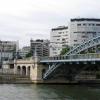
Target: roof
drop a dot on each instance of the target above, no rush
(60, 28)
(85, 19)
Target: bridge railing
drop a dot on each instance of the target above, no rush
(68, 57)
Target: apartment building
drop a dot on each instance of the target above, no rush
(83, 29)
(8, 50)
(40, 46)
(59, 38)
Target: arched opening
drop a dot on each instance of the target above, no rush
(24, 70)
(28, 71)
(18, 69)
(43, 71)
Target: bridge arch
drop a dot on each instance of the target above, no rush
(84, 46)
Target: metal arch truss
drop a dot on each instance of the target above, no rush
(86, 45)
(51, 69)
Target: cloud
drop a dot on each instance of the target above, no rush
(25, 19)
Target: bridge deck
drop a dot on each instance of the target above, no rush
(72, 58)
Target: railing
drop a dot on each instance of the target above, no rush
(68, 57)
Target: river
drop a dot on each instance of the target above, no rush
(48, 92)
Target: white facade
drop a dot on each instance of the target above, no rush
(83, 29)
(59, 38)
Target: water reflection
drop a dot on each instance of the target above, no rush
(48, 92)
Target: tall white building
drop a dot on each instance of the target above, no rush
(78, 31)
(59, 38)
(83, 29)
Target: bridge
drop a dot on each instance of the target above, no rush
(86, 57)
(78, 62)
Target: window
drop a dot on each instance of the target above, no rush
(89, 24)
(84, 36)
(93, 24)
(97, 24)
(75, 40)
(78, 24)
(63, 39)
(58, 39)
(57, 36)
(59, 32)
(84, 24)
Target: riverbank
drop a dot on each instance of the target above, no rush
(28, 81)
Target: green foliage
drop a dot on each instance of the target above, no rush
(64, 50)
(29, 54)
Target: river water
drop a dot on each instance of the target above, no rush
(48, 92)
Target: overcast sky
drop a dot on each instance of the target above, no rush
(25, 19)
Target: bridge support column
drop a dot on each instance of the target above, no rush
(36, 71)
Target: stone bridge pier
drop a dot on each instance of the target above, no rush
(30, 68)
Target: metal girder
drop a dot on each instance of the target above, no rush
(51, 69)
(86, 45)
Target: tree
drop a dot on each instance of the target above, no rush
(64, 50)
(29, 54)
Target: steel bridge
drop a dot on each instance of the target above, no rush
(79, 58)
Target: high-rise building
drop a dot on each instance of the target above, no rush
(83, 29)
(40, 46)
(8, 50)
(59, 38)
(79, 30)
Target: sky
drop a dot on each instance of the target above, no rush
(22, 20)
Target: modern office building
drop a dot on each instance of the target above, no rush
(40, 46)
(59, 38)
(83, 29)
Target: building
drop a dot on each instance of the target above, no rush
(8, 50)
(78, 31)
(40, 46)
(59, 38)
(83, 29)
(24, 51)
